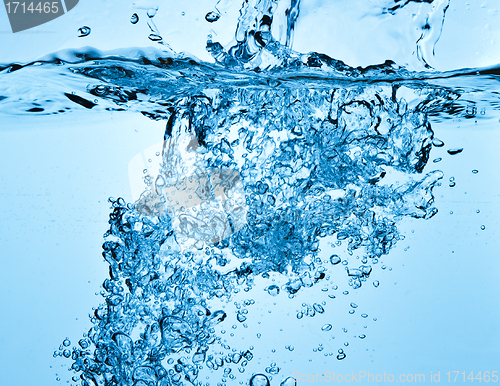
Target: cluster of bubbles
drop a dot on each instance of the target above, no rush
(342, 164)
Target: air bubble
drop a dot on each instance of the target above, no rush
(273, 290)
(455, 151)
(259, 380)
(83, 31)
(376, 283)
(475, 171)
(134, 18)
(437, 142)
(483, 227)
(290, 381)
(335, 259)
(212, 17)
(326, 327)
(152, 12)
(155, 37)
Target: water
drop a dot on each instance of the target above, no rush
(288, 174)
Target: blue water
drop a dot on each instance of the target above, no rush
(279, 172)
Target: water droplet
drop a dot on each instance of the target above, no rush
(326, 327)
(364, 315)
(362, 336)
(83, 31)
(212, 17)
(452, 184)
(155, 37)
(354, 305)
(455, 151)
(66, 342)
(483, 227)
(376, 283)
(478, 211)
(475, 171)
(134, 18)
(259, 380)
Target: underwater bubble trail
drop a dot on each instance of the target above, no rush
(312, 165)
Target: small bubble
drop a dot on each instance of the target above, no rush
(455, 151)
(155, 37)
(354, 305)
(376, 283)
(437, 142)
(335, 259)
(134, 18)
(273, 290)
(183, 13)
(212, 17)
(436, 160)
(483, 227)
(66, 342)
(259, 380)
(364, 315)
(475, 171)
(452, 179)
(362, 336)
(83, 31)
(478, 211)
(326, 327)
(290, 381)
(452, 184)
(152, 12)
